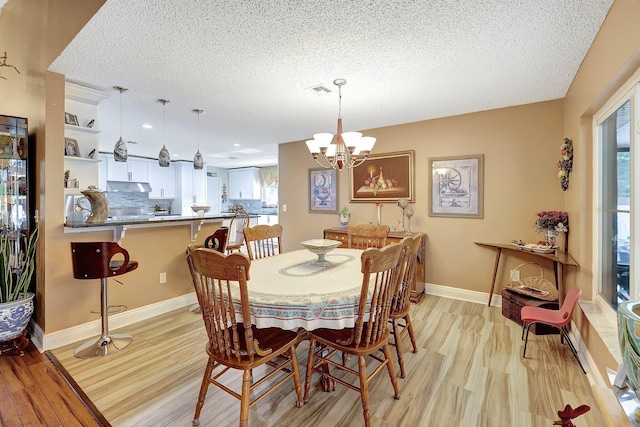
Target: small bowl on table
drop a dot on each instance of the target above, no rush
(200, 210)
(321, 247)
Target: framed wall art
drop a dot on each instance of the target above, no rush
(383, 178)
(71, 119)
(323, 191)
(456, 187)
(71, 147)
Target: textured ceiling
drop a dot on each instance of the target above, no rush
(248, 63)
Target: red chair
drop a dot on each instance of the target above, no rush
(558, 318)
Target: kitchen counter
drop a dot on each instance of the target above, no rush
(120, 226)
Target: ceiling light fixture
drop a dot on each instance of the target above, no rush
(120, 153)
(198, 161)
(350, 154)
(164, 158)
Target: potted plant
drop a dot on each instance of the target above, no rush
(344, 217)
(16, 270)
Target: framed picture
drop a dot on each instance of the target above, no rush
(323, 191)
(456, 187)
(71, 119)
(71, 147)
(383, 178)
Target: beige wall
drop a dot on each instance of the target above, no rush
(33, 34)
(613, 57)
(520, 147)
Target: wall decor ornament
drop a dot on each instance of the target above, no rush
(456, 187)
(323, 191)
(383, 178)
(565, 165)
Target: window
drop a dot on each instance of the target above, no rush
(615, 197)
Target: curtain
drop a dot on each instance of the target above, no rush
(269, 177)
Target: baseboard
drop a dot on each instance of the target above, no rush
(462, 294)
(44, 341)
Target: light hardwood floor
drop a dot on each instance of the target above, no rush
(468, 372)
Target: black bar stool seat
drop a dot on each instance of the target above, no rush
(101, 260)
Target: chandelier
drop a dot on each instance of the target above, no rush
(350, 148)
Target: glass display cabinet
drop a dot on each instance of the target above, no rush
(14, 201)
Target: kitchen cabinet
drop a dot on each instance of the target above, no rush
(162, 181)
(191, 187)
(81, 107)
(244, 183)
(133, 169)
(268, 219)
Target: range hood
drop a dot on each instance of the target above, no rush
(128, 187)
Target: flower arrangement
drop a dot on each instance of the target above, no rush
(565, 165)
(552, 221)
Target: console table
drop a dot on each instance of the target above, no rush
(559, 259)
(417, 287)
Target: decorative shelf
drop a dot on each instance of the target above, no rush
(81, 159)
(81, 129)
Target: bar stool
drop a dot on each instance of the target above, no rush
(94, 260)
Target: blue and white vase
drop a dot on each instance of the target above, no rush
(15, 316)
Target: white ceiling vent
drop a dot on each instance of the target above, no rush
(319, 89)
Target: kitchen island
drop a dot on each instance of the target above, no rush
(119, 227)
(162, 282)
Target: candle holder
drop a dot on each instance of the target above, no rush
(403, 203)
(409, 213)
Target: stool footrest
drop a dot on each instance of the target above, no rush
(103, 346)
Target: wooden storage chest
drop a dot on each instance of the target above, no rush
(512, 303)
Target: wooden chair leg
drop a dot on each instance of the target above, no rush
(309, 373)
(409, 327)
(245, 398)
(296, 375)
(203, 391)
(392, 372)
(364, 390)
(397, 341)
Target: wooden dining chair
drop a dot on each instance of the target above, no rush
(362, 236)
(329, 348)
(263, 240)
(400, 305)
(234, 342)
(235, 237)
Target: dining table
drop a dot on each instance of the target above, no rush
(293, 290)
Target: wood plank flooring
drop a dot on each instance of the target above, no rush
(468, 372)
(34, 393)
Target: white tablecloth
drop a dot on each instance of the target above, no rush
(288, 291)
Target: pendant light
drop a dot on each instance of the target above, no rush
(164, 158)
(198, 161)
(120, 153)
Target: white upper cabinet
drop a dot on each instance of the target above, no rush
(244, 183)
(162, 181)
(132, 170)
(191, 187)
